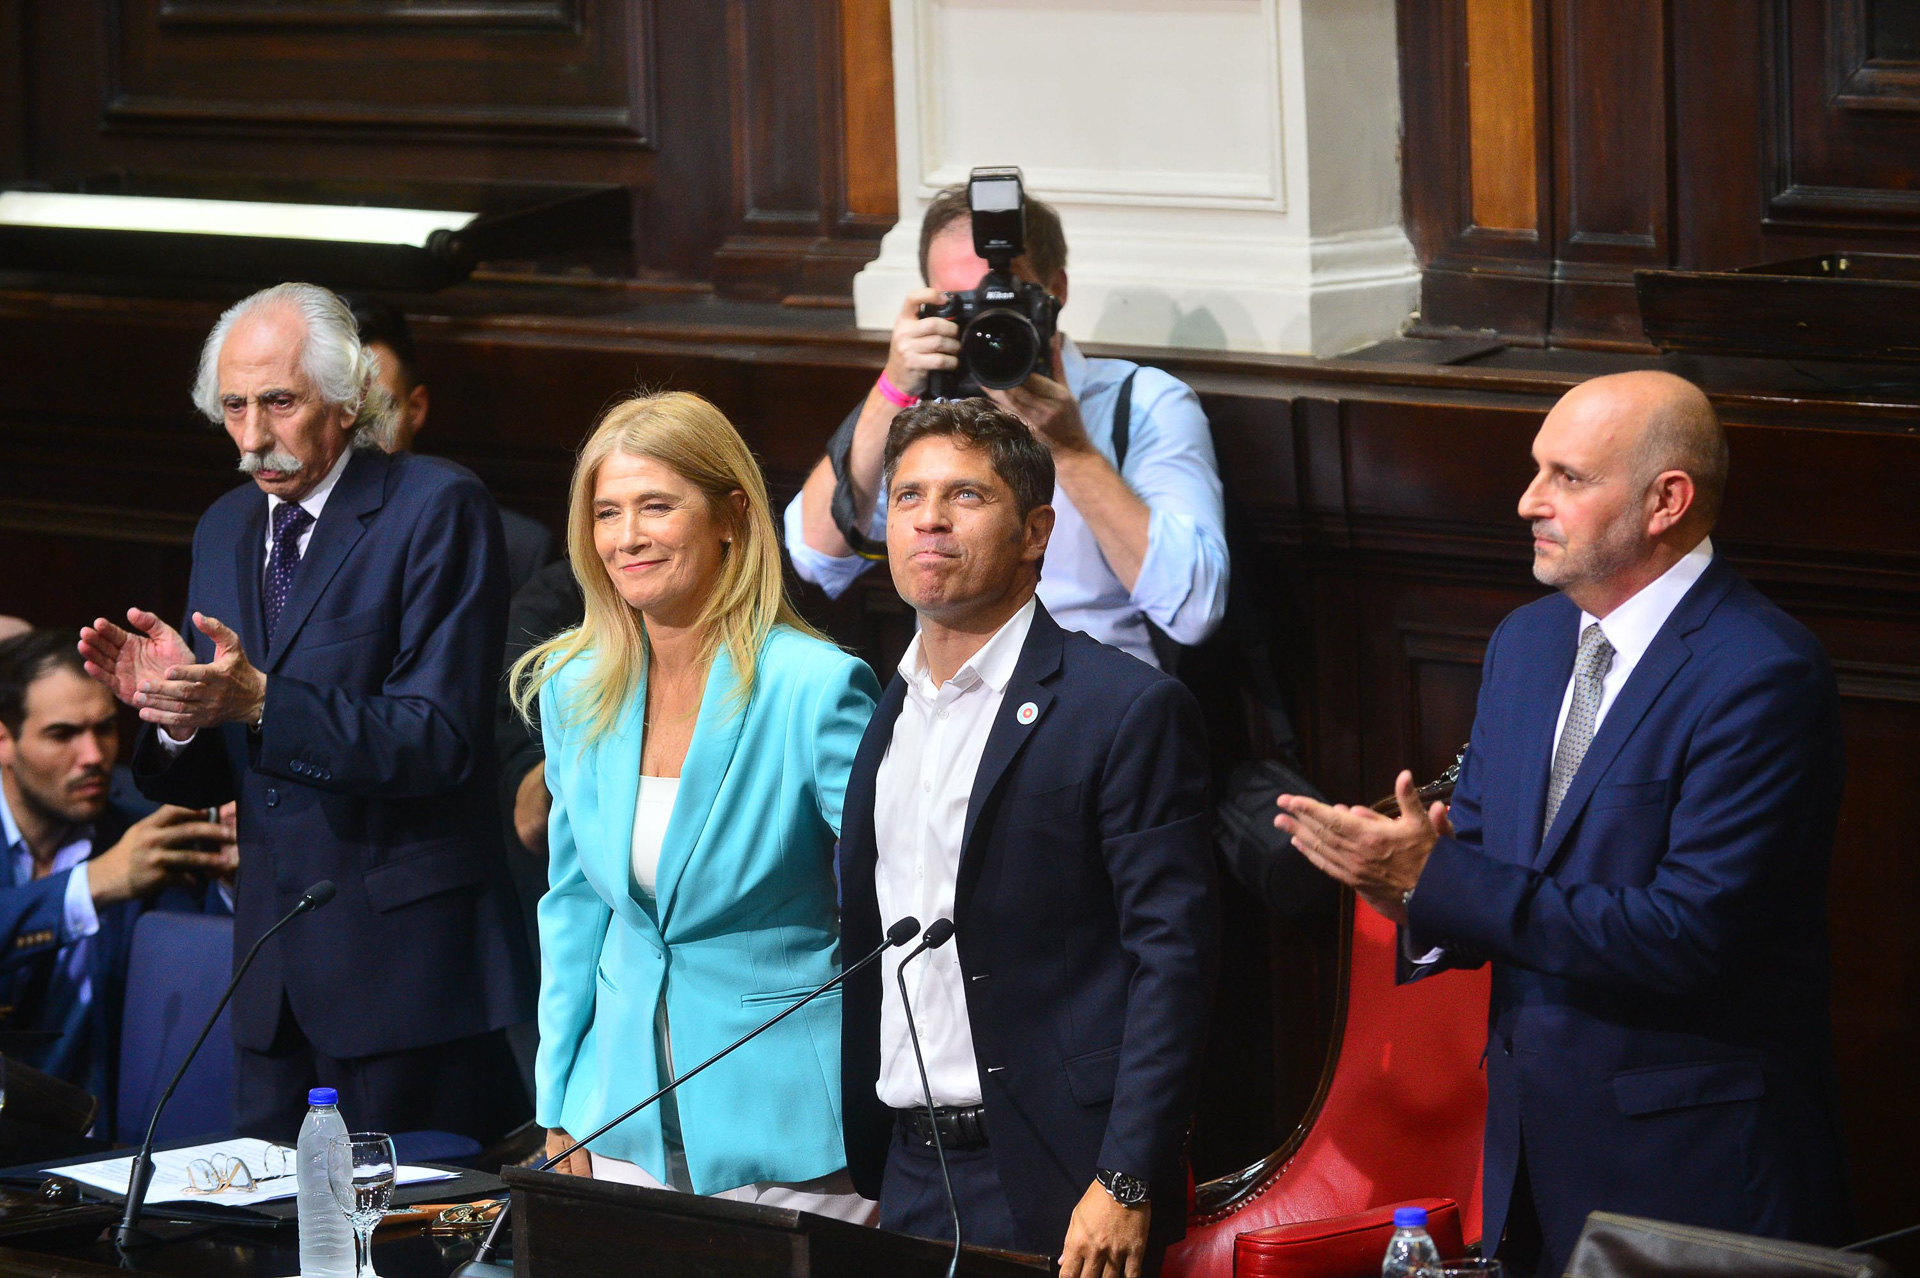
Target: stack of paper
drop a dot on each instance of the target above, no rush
(170, 1185)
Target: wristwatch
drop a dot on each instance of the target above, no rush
(1128, 1191)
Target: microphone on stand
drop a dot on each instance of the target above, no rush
(483, 1265)
(939, 932)
(128, 1232)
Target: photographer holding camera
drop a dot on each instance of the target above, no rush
(1139, 543)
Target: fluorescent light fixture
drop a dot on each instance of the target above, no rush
(340, 223)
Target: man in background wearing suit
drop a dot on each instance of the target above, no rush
(346, 612)
(389, 340)
(80, 869)
(1639, 844)
(1048, 794)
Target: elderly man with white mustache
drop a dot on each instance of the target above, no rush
(335, 676)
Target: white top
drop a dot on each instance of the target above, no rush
(920, 813)
(651, 812)
(1631, 627)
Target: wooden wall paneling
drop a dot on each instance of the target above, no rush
(779, 197)
(567, 70)
(795, 238)
(1721, 59)
(1433, 105)
(1475, 160)
(1502, 143)
(1845, 130)
(1876, 950)
(684, 199)
(1611, 164)
(726, 120)
(13, 90)
(1713, 134)
(866, 61)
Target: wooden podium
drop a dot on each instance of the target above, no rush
(573, 1227)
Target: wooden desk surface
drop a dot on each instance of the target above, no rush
(233, 1253)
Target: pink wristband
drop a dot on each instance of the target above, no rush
(893, 394)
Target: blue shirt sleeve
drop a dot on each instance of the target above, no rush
(1182, 586)
(832, 573)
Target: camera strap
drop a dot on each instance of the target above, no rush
(1123, 421)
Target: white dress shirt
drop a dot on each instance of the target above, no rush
(1182, 585)
(313, 503)
(1631, 627)
(920, 814)
(652, 809)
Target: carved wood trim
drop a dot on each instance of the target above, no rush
(627, 123)
(1858, 80)
(1855, 83)
(1878, 681)
(622, 125)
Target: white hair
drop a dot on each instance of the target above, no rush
(341, 370)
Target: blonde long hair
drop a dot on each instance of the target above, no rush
(689, 436)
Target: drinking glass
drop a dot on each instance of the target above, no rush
(360, 1171)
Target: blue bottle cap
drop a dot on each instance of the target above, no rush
(328, 1096)
(1409, 1217)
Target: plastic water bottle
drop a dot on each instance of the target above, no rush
(1410, 1252)
(326, 1239)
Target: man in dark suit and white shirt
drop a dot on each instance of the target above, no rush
(346, 612)
(1048, 794)
(1639, 844)
(80, 868)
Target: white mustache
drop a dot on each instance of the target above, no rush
(274, 459)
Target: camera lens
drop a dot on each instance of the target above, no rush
(1001, 348)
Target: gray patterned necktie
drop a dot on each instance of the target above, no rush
(1590, 668)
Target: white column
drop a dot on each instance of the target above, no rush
(1227, 170)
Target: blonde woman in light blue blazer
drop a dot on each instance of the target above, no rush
(698, 736)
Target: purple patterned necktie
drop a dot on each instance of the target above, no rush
(289, 521)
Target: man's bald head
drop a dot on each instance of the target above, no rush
(1671, 425)
(1632, 471)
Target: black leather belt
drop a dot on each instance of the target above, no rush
(961, 1126)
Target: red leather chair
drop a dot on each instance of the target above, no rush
(1342, 1246)
(1398, 1118)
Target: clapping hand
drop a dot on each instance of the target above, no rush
(122, 658)
(151, 668)
(1378, 856)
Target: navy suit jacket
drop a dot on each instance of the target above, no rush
(1659, 1022)
(1085, 921)
(32, 918)
(374, 765)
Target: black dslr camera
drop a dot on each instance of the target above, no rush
(1006, 324)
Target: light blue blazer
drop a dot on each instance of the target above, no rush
(745, 921)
